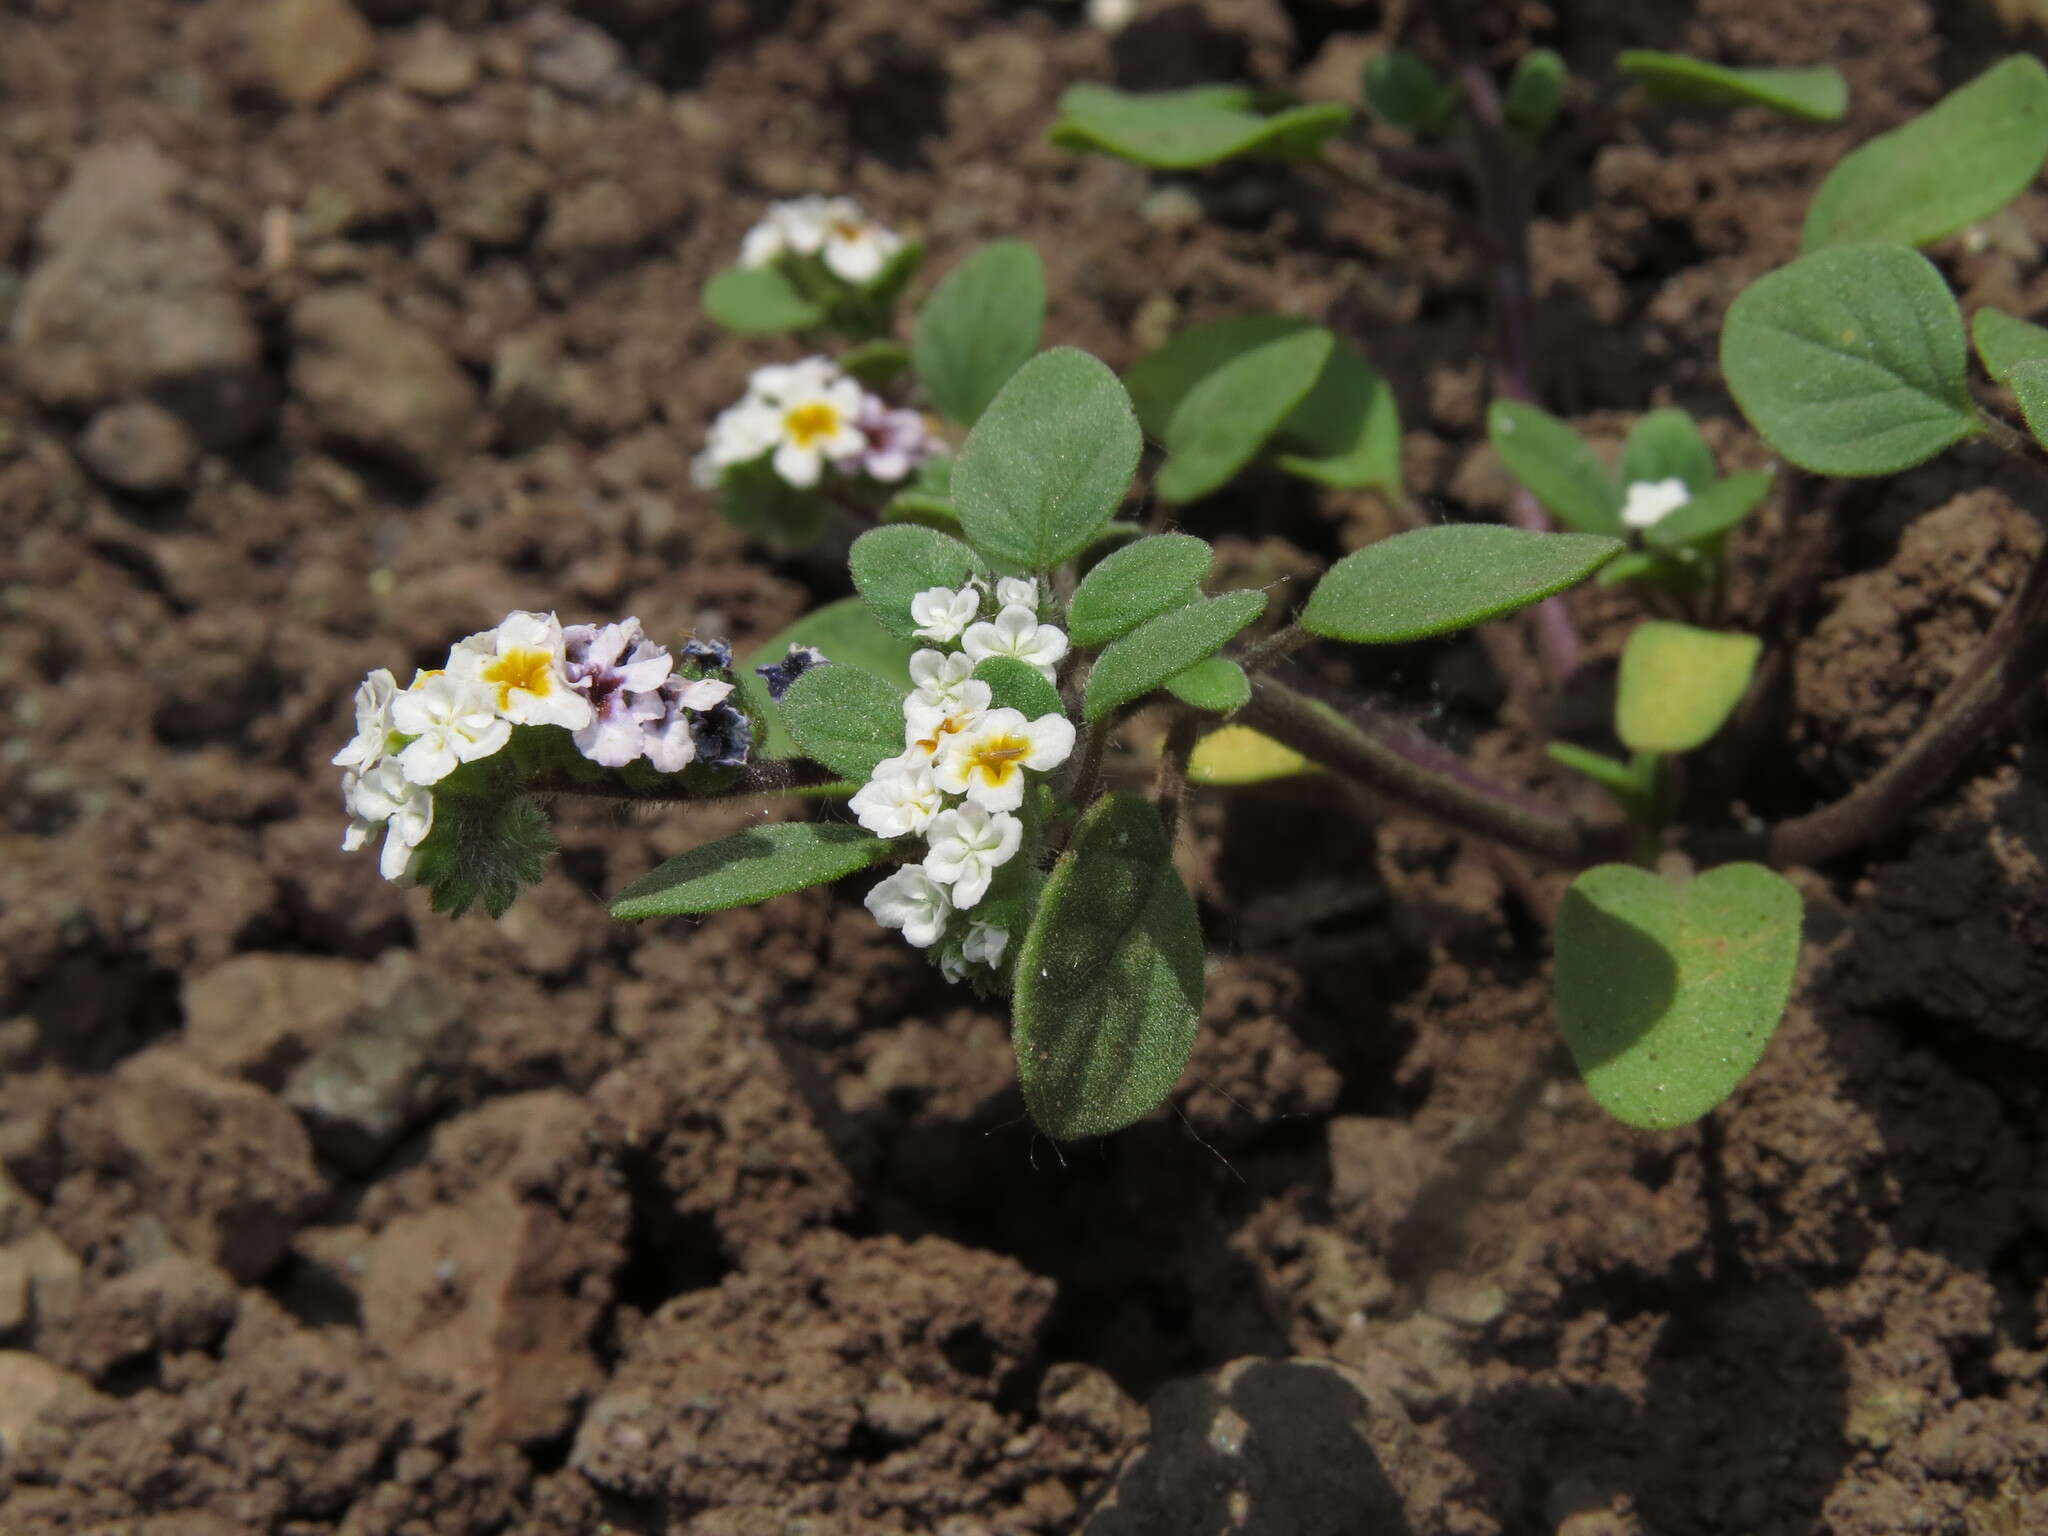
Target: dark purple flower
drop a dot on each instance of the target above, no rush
(723, 737)
(780, 674)
(715, 654)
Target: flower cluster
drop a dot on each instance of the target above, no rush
(961, 777)
(619, 695)
(832, 230)
(805, 417)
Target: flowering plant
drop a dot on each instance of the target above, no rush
(1009, 630)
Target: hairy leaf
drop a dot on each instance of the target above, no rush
(749, 867)
(1226, 417)
(1557, 466)
(1665, 445)
(1818, 95)
(1409, 94)
(2015, 353)
(1347, 433)
(1182, 130)
(892, 565)
(1431, 581)
(1535, 92)
(1679, 684)
(758, 301)
(980, 326)
(845, 718)
(1712, 512)
(1162, 646)
(1217, 685)
(1014, 684)
(847, 633)
(1137, 582)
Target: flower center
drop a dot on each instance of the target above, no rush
(807, 423)
(847, 229)
(997, 757)
(521, 671)
(949, 726)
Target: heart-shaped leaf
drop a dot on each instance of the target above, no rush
(1964, 158)
(759, 301)
(1678, 685)
(1182, 130)
(1109, 979)
(1818, 95)
(980, 325)
(1851, 360)
(845, 718)
(1048, 463)
(1135, 583)
(749, 867)
(2015, 353)
(892, 565)
(847, 633)
(1160, 647)
(1431, 581)
(1557, 466)
(1666, 445)
(1668, 994)
(1347, 433)
(1225, 419)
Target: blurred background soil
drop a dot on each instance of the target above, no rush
(336, 330)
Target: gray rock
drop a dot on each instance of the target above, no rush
(370, 1084)
(577, 57)
(29, 1386)
(436, 62)
(140, 447)
(1263, 1448)
(378, 384)
(135, 297)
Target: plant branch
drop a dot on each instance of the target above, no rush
(1274, 649)
(1170, 783)
(766, 778)
(1402, 765)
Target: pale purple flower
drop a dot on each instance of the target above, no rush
(896, 442)
(620, 671)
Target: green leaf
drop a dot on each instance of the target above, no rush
(1669, 994)
(1408, 93)
(749, 867)
(1234, 755)
(847, 633)
(485, 847)
(1431, 581)
(1963, 159)
(1665, 445)
(845, 718)
(875, 363)
(892, 565)
(1679, 685)
(1635, 565)
(1048, 463)
(1014, 684)
(1557, 466)
(1135, 583)
(1851, 361)
(980, 326)
(1202, 125)
(1817, 95)
(1159, 381)
(1347, 433)
(1617, 778)
(1226, 417)
(759, 502)
(2015, 353)
(1162, 646)
(1218, 685)
(1534, 93)
(1109, 978)
(1712, 512)
(759, 301)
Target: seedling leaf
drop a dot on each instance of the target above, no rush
(1534, 93)
(1431, 581)
(2015, 353)
(1226, 417)
(1109, 979)
(1712, 512)
(1851, 360)
(1347, 433)
(749, 867)
(1234, 755)
(980, 325)
(1817, 95)
(1557, 466)
(1185, 129)
(1160, 647)
(1669, 994)
(1679, 685)
(1666, 445)
(1160, 380)
(1135, 583)
(1408, 93)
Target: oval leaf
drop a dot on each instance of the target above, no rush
(1851, 361)
(847, 633)
(752, 866)
(845, 718)
(1666, 445)
(1712, 512)
(1014, 684)
(1049, 462)
(1409, 94)
(1431, 581)
(892, 565)
(1347, 433)
(758, 301)
(1158, 648)
(1109, 980)
(1679, 685)
(980, 326)
(1217, 685)
(1236, 754)
(2015, 353)
(1817, 95)
(1557, 465)
(1535, 92)
(1160, 380)
(1135, 583)
(1964, 158)
(1181, 130)
(1668, 994)
(1227, 416)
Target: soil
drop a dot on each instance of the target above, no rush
(337, 333)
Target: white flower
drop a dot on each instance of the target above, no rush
(1111, 16)
(815, 409)
(1649, 502)
(740, 434)
(968, 845)
(1016, 632)
(986, 761)
(940, 613)
(953, 965)
(900, 799)
(522, 660)
(452, 720)
(373, 722)
(927, 726)
(985, 942)
(938, 675)
(854, 247)
(383, 797)
(1017, 592)
(911, 900)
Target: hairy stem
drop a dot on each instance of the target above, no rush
(768, 778)
(1170, 783)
